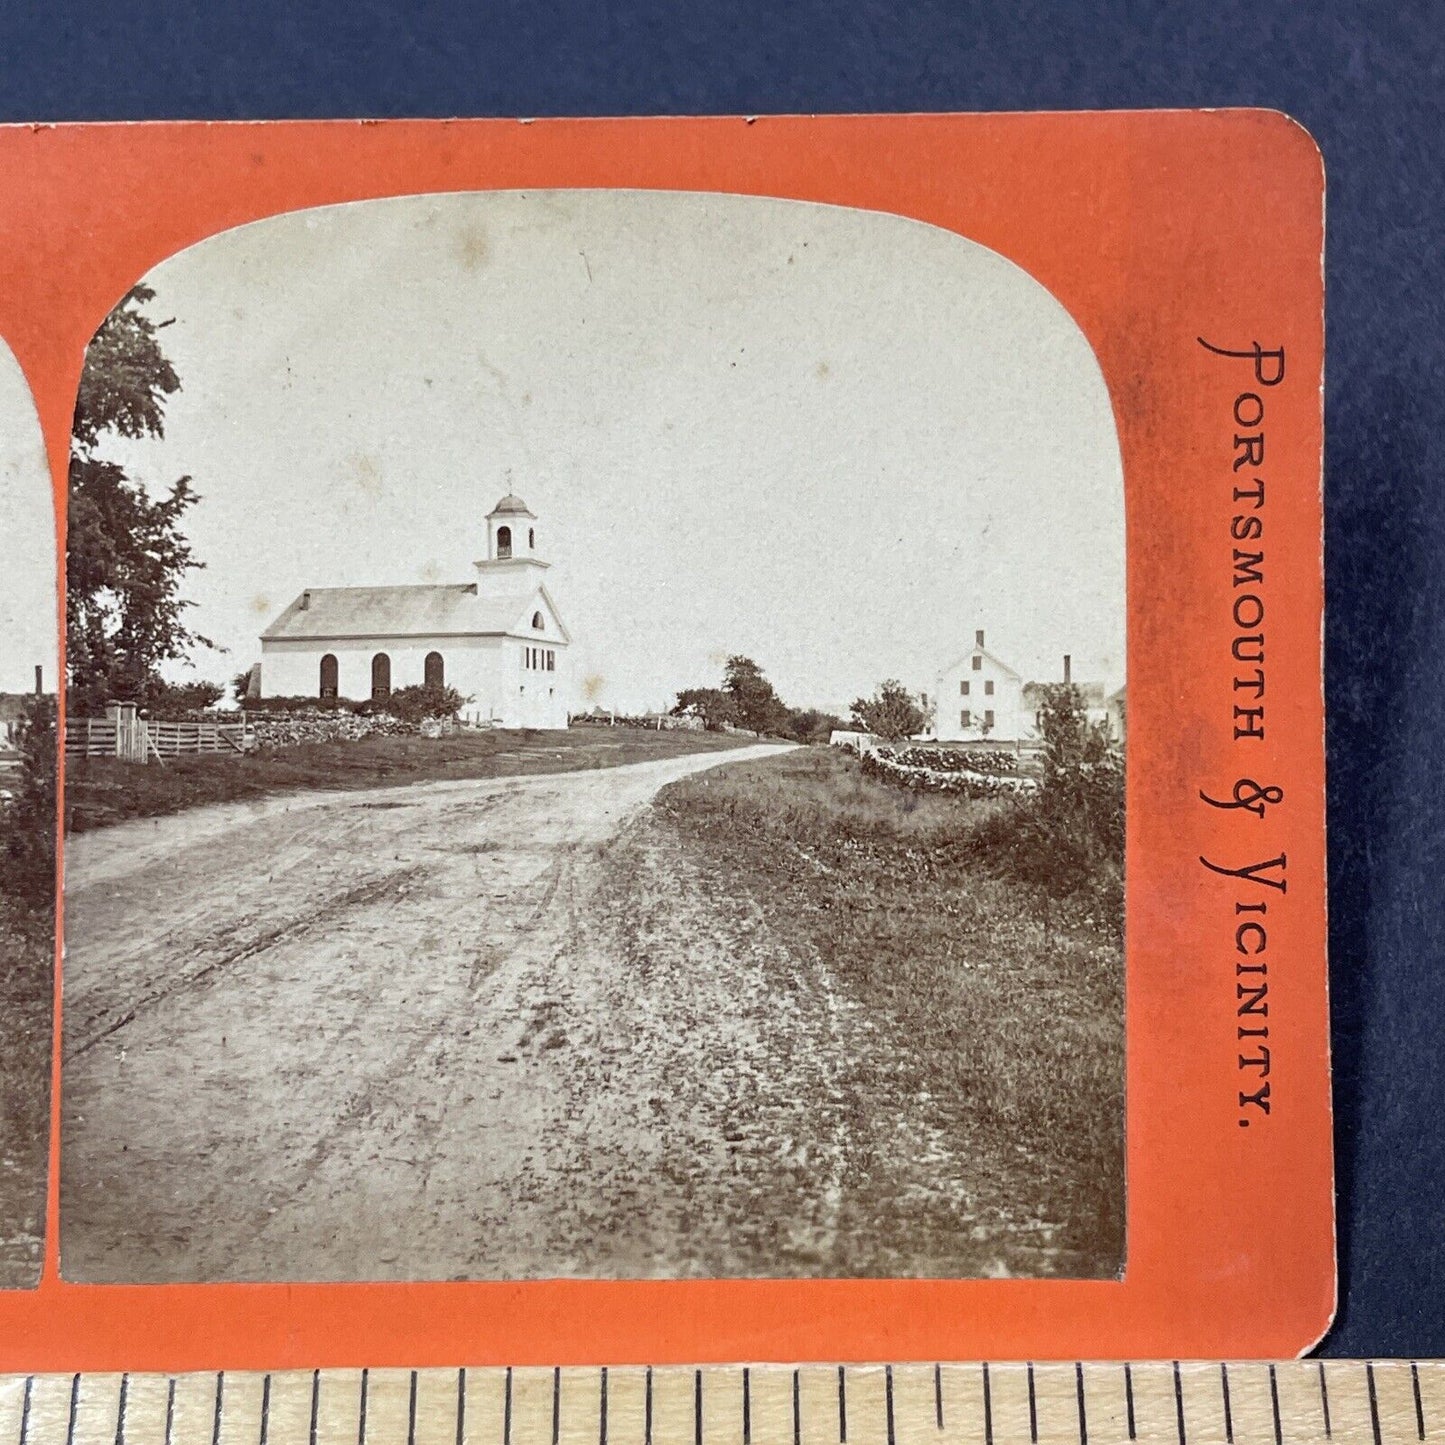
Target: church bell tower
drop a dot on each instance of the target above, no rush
(511, 564)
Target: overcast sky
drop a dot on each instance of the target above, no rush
(28, 606)
(836, 441)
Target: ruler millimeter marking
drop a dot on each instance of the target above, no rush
(1335, 1402)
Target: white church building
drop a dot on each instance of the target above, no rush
(498, 640)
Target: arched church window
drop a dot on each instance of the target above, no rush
(381, 675)
(434, 670)
(538, 621)
(504, 541)
(531, 539)
(328, 675)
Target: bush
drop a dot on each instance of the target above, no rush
(175, 700)
(405, 704)
(1068, 837)
(303, 704)
(413, 704)
(29, 817)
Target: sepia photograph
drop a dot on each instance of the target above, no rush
(29, 616)
(594, 748)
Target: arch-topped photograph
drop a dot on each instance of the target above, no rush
(630, 802)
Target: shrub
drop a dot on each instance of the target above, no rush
(1067, 838)
(29, 817)
(413, 704)
(178, 699)
(302, 704)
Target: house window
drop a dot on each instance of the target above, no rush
(977, 663)
(328, 675)
(963, 688)
(538, 621)
(551, 660)
(965, 719)
(434, 670)
(531, 539)
(988, 688)
(988, 717)
(381, 675)
(504, 541)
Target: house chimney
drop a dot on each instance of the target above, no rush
(1068, 668)
(305, 600)
(978, 638)
(39, 686)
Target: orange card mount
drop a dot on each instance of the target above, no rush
(633, 1022)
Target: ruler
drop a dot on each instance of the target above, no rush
(1352, 1402)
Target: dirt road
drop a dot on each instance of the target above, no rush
(456, 1030)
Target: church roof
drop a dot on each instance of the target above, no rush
(511, 505)
(336, 612)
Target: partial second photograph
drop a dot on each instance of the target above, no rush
(594, 749)
(29, 648)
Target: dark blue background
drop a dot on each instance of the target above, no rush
(1367, 80)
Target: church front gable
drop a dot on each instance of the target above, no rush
(539, 621)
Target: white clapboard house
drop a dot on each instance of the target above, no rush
(980, 697)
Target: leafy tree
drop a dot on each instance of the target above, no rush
(29, 817)
(126, 555)
(713, 705)
(810, 725)
(176, 699)
(759, 708)
(892, 713)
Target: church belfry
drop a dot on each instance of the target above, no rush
(511, 530)
(511, 563)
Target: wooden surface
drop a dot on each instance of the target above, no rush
(1376, 1403)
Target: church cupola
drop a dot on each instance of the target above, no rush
(511, 564)
(511, 530)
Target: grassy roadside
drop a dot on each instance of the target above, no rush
(1009, 1006)
(101, 791)
(27, 952)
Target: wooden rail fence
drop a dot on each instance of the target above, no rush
(122, 734)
